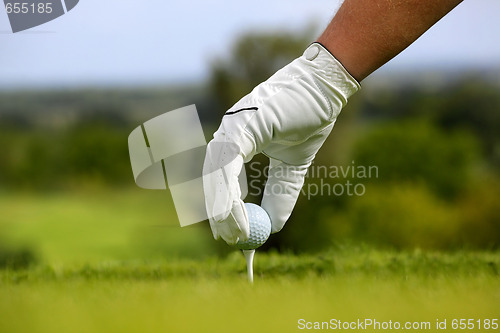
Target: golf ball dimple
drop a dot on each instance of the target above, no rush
(260, 227)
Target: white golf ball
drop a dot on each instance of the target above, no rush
(260, 227)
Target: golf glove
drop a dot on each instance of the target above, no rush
(288, 118)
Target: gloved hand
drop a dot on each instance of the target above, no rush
(288, 118)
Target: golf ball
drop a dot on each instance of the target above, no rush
(260, 227)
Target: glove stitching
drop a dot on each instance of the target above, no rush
(330, 108)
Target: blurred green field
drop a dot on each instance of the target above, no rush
(116, 261)
(96, 224)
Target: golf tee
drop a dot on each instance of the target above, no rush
(249, 258)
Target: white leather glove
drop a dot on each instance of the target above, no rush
(288, 118)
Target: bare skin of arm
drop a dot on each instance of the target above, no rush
(365, 34)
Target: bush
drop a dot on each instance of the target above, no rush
(480, 216)
(418, 152)
(16, 258)
(399, 215)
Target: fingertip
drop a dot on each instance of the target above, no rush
(276, 228)
(215, 234)
(278, 218)
(244, 237)
(231, 241)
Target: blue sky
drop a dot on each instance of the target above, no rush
(125, 42)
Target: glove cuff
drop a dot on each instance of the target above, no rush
(333, 69)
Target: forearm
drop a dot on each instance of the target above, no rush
(365, 34)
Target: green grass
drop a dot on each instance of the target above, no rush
(117, 262)
(213, 295)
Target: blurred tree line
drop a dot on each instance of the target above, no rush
(437, 150)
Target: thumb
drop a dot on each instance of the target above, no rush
(225, 209)
(282, 189)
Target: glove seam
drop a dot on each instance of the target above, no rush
(330, 108)
(356, 82)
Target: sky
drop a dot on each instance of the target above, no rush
(125, 42)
